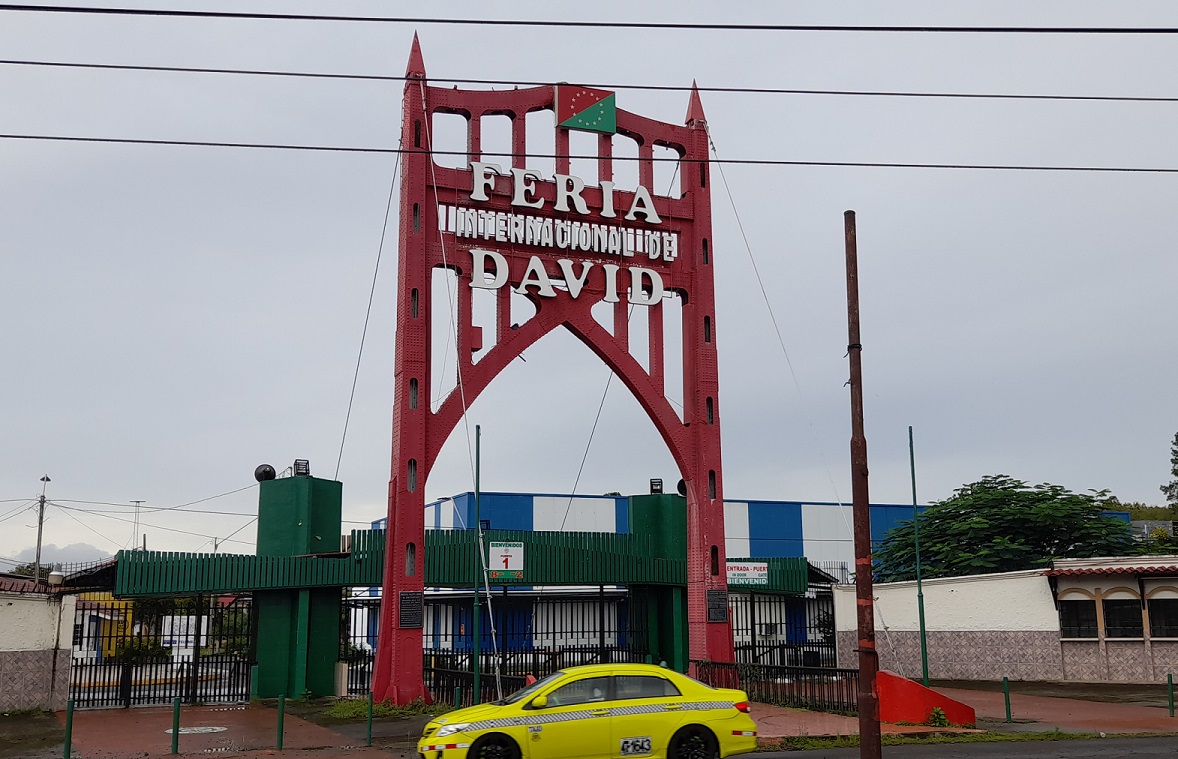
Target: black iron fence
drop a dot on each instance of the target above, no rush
(151, 651)
(783, 630)
(449, 676)
(827, 689)
(519, 634)
(358, 627)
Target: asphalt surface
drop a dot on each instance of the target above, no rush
(1104, 748)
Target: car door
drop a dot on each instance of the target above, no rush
(646, 712)
(574, 721)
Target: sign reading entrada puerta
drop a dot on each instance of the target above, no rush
(566, 242)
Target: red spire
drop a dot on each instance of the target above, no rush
(416, 67)
(695, 108)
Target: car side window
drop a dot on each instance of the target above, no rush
(584, 691)
(643, 686)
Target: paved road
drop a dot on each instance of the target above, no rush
(1107, 748)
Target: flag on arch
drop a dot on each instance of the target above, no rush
(586, 109)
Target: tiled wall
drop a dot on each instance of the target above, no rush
(964, 655)
(1018, 655)
(27, 679)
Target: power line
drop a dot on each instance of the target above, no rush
(88, 527)
(179, 507)
(384, 228)
(17, 511)
(638, 25)
(732, 161)
(606, 85)
(144, 524)
(186, 511)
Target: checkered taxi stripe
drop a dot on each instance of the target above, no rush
(605, 711)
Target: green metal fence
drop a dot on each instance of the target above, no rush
(550, 558)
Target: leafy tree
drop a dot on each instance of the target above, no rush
(1001, 524)
(1144, 512)
(30, 569)
(1161, 542)
(1170, 489)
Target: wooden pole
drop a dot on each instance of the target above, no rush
(870, 746)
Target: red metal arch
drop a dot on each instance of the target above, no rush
(427, 241)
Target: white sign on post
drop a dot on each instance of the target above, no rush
(748, 573)
(505, 560)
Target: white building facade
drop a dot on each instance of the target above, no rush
(1083, 620)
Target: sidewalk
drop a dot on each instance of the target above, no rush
(251, 731)
(1046, 713)
(231, 731)
(1030, 714)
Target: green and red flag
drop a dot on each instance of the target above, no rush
(586, 109)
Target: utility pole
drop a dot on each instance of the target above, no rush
(919, 584)
(135, 527)
(40, 528)
(870, 743)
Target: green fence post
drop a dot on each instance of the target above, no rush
(281, 717)
(1006, 695)
(176, 725)
(368, 742)
(70, 725)
(1170, 689)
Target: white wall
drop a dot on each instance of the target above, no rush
(1007, 601)
(827, 533)
(736, 530)
(584, 515)
(34, 622)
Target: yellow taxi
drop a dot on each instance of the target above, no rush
(600, 710)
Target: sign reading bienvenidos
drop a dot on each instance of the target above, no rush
(632, 232)
(505, 560)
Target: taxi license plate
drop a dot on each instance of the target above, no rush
(635, 746)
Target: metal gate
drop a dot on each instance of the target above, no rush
(151, 651)
(783, 630)
(535, 633)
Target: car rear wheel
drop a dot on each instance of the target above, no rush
(693, 742)
(494, 746)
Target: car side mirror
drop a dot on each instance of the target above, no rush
(539, 702)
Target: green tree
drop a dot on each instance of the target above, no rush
(1170, 489)
(1143, 511)
(1001, 524)
(30, 569)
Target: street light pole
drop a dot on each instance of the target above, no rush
(919, 586)
(476, 648)
(40, 528)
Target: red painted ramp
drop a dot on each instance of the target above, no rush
(904, 700)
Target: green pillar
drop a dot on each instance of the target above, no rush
(664, 519)
(298, 628)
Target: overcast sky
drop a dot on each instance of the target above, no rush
(175, 316)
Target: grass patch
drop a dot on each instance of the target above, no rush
(355, 708)
(807, 743)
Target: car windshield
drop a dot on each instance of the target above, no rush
(528, 690)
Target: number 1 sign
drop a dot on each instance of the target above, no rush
(505, 560)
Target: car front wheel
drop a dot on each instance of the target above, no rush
(494, 746)
(693, 742)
